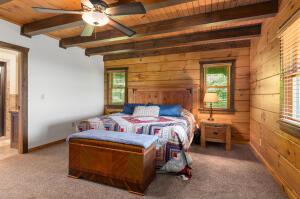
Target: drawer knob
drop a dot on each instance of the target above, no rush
(216, 133)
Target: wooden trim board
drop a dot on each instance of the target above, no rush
(46, 145)
(291, 194)
(23, 93)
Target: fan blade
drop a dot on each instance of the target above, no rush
(87, 3)
(127, 31)
(4, 1)
(87, 31)
(127, 9)
(56, 11)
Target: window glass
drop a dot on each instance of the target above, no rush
(117, 87)
(217, 81)
(296, 98)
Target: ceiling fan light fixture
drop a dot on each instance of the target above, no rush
(95, 18)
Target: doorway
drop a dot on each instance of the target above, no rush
(17, 109)
(6, 134)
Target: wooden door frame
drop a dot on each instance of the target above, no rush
(4, 65)
(22, 94)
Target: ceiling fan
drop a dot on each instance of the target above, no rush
(98, 13)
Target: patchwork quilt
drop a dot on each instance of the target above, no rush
(175, 133)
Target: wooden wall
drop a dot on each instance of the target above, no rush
(184, 69)
(278, 150)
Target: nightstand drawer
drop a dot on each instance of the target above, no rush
(215, 132)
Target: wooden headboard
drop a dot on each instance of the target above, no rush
(186, 96)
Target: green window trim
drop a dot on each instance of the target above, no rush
(218, 76)
(116, 86)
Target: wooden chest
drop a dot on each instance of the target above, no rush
(119, 165)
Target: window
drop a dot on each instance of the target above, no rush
(290, 75)
(117, 83)
(216, 78)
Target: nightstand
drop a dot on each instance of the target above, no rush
(110, 110)
(216, 131)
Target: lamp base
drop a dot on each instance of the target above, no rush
(210, 119)
(210, 113)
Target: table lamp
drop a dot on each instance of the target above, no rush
(211, 98)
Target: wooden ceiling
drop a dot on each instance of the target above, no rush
(167, 24)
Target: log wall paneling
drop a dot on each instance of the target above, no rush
(277, 149)
(183, 70)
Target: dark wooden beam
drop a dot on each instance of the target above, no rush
(176, 50)
(239, 33)
(51, 24)
(68, 21)
(243, 13)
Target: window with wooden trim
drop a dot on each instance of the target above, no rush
(117, 84)
(216, 77)
(290, 73)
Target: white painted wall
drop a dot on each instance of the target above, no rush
(64, 85)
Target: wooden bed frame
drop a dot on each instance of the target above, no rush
(119, 165)
(187, 97)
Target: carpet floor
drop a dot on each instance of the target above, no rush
(5, 150)
(217, 174)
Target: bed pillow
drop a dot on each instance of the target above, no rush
(170, 110)
(146, 111)
(129, 108)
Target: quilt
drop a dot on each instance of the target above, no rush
(174, 134)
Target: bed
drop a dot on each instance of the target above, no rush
(175, 133)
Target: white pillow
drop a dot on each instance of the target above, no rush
(146, 111)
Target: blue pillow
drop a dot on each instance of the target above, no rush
(129, 108)
(170, 110)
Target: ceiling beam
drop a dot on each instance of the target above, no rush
(51, 24)
(230, 34)
(68, 21)
(176, 50)
(243, 13)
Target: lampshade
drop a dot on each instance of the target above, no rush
(211, 97)
(95, 18)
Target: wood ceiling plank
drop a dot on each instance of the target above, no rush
(249, 12)
(162, 4)
(239, 33)
(66, 21)
(175, 50)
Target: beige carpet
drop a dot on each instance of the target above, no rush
(217, 174)
(5, 150)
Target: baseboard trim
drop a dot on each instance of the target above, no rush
(290, 193)
(46, 145)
